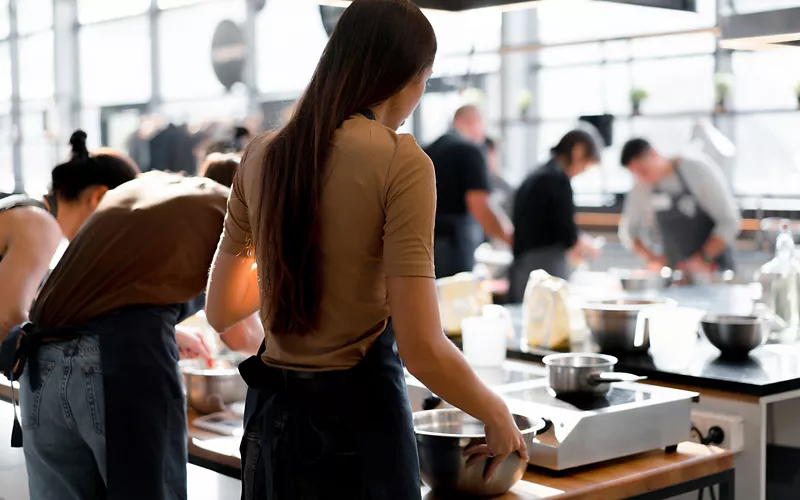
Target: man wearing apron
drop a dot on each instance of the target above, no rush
(463, 211)
(687, 202)
(103, 413)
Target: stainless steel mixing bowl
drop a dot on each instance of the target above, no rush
(613, 323)
(735, 336)
(442, 436)
(208, 390)
(643, 280)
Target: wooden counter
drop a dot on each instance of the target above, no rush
(615, 480)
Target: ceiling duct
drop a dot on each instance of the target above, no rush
(462, 5)
(761, 30)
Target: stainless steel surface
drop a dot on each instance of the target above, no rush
(576, 374)
(618, 325)
(442, 437)
(633, 418)
(735, 336)
(643, 280)
(208, 390)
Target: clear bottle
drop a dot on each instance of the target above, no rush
(780, 283)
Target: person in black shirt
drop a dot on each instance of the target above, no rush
(544, 213)
(463, 212)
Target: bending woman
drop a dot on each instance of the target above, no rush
(31, 230)
(337, 209)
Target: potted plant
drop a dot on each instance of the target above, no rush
(524, 103)
(638, 96)
(797, 94)
(723, 83)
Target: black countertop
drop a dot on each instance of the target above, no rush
(771, 369)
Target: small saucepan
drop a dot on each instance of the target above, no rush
(583, 374)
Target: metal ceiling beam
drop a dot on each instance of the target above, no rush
(761, 29)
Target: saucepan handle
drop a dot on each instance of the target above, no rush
(598, 378)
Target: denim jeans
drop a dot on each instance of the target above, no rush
(63, 422)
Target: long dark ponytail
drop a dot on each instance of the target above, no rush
(378, 47)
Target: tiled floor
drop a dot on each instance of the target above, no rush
(203, 484)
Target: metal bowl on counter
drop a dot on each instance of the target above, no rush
(442, 437)
(643, 280)
(735, 336)
(621, 325)
(209, 389)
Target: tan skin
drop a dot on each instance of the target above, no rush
(494, 223)
(233, 294)
(649, 169)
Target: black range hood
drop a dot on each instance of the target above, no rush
(461, 5)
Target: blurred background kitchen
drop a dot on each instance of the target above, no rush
(168, 79)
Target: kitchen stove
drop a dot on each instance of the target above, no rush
(632, 418)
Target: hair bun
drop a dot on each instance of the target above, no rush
(78, 142)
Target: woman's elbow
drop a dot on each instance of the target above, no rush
(216, 316)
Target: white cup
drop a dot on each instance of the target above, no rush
(484, 341)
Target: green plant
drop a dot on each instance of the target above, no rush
(723, 83)
(638, 95)
(797, 89)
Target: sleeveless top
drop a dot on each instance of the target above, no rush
(19, 200)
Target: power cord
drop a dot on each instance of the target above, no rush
(715, 436)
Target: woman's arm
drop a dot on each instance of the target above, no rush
(33, 241)
(437, 363)
(233, 292)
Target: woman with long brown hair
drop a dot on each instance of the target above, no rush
(337, 211)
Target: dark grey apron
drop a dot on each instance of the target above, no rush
(455, 241)
(684, 235)
(145, 412)
(349, 431)
(552, 259)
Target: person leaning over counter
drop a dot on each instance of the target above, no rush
(101, 397)
(544, 214)
(689, 204)
(31, 230)
(463, 212)
(342, 234)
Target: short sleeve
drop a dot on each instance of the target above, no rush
(237, 235)
(410, 213)
(475, 169)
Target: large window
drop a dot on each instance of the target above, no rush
(34, 15)
(90, 11)
(36, 66)
(185, 59)
(6, 163)
(115, 73)
(5, 73)
(290, 38)
(4, 21)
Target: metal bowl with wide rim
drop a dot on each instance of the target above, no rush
(209, 390)
(621, 325)
(643, 280)
(442, 437)
(735, 336)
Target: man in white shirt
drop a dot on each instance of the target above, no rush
(685, 203)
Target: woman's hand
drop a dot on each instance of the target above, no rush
(191, 343)
(503, 438)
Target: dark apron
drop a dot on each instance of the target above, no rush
(684, 235)
(456, 238)
(353, 427)
(145, 412)
(552, 259)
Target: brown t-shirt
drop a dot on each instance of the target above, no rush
(151, 241)
(378, 209)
